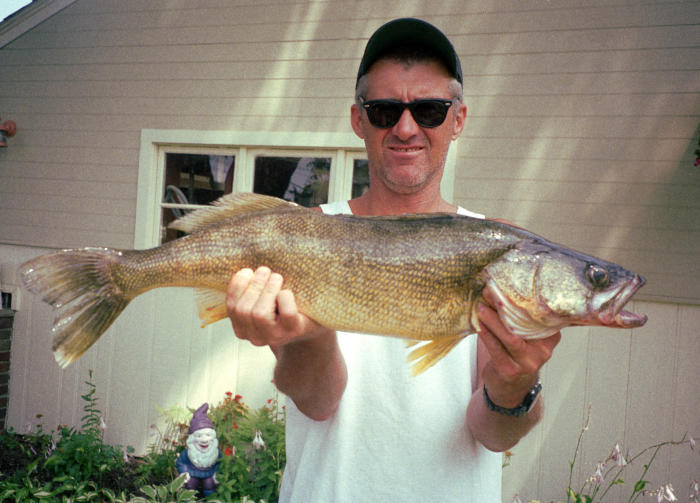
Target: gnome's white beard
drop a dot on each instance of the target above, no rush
(202, 459)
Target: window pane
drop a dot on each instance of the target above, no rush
(303, 180)
(360, 177)
(194, 179)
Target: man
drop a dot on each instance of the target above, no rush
(359, 428)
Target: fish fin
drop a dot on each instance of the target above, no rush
(411, 343)
(211, 305)
(476, 326)
(226, 207)
(77, 275)
(432, 352)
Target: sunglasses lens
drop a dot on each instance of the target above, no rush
(429, 113)
(426, 113)
(384, 115)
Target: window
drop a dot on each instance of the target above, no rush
(177, 174)
(183, 170)
(194, 178)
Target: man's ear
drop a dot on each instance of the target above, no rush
(460, 120)
(356, 120)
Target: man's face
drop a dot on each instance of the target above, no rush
(407, 157)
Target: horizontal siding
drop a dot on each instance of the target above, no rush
(583, 118)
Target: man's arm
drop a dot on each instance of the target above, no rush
(310, 367)
(508, 367)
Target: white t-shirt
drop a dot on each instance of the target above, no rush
(394, 437)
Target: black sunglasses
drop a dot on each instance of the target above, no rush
(386, 114)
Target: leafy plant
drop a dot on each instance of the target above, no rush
(71, 467)
(83, 454)
(253, 445)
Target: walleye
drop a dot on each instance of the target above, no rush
(417, 277)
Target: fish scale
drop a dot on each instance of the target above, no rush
(418, 277)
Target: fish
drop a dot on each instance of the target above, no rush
(419, 277)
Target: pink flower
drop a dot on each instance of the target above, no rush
(618, 457)
(598, 475)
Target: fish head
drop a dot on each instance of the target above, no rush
(540, 288)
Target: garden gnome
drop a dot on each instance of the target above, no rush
(200, 460)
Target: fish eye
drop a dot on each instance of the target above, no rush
(597, 275)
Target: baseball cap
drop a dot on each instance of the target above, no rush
(410, 31)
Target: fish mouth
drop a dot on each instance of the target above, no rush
(612, 314)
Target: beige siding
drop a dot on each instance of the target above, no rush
(641, 387)
(583, 120)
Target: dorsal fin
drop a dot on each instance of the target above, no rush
(226, 207)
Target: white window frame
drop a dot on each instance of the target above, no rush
(343, 148)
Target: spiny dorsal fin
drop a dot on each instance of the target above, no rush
(227, 207)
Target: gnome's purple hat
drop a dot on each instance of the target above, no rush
(200, 419)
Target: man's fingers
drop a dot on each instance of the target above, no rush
(238, 284)
(264, 311)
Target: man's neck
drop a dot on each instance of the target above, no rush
(372, 203)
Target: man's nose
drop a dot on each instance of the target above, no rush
(407, 126)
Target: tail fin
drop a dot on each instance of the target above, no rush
(77, 275)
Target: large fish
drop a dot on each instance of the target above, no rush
(417, 277)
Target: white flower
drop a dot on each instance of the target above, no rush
(669, 493)
(693, 445)
(516, 499)
(258, 441)
(618, 457)
(660, 495)
(103, 425)
(598, 475)
(694, 490)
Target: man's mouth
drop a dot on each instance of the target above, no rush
(414, 149)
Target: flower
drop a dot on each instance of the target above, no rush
(516, 499)
(693, 445)
(229, 394)
(618, 457)
(258, 441)
(598, 475)
(669, 493)
(103, 425)
(230, 451)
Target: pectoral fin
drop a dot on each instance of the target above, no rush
(431, 353)
(211, 305)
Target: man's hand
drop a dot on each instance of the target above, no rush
(512, 364)
(310, 368)
(508, 367)
(263, 313)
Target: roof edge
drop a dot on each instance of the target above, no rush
(28, 17)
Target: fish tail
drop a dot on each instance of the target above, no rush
(82, 276)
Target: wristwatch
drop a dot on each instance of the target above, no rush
(523, 408)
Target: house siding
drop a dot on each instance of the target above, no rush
(583, 119)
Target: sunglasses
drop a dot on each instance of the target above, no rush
(386, 114)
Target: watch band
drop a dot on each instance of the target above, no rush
(523, 408)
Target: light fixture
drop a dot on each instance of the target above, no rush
(7, 130)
